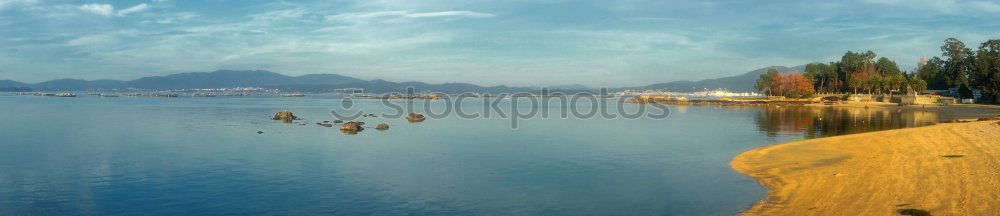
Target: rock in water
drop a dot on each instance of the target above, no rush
(338, 121)
(413, 117)
(351, 127)
(260, 132)
(382, 126)
(285, 116)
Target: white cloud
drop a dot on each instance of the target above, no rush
(133, 9)
(99, 9)
(176, 17)
(917, 3)
(92, 40)
(109, 10)
(280, 15)
(4, 4)
(944, 6)
(366, 15)
(469, 14)
(393, 15)
(986, 6)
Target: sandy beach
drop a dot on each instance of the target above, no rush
(944, 169)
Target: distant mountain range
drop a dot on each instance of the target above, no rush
(329, 82)
(255, 78)
(738, 83)
(11, 83)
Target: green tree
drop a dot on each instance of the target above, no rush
(833, 80)
(887, 67)
(768, 81)
(823, 76)
(889, 77)
(957, 65)
(987, 68)
(933, 74)
(856, 69)
(812, 72)
(875, 83)
(917, 84)
(964, 92)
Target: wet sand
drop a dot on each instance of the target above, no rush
(944, 169)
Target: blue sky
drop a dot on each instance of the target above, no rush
(513, 42)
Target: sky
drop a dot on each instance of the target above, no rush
(598, 43)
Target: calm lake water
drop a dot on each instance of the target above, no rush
(203, 156)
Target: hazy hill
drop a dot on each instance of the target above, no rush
(75, 84)
(231, 78)
(12, 83)
(13, 86)
(258, 78)
(738, 83)
(570, 87)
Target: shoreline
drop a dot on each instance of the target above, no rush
(946, 169)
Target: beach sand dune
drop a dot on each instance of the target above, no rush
(945, 169)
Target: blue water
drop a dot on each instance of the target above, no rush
(203, 156)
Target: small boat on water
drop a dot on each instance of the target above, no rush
(293, 95)
(132, 94)
(65, 94)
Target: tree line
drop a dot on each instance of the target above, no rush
(865, 72)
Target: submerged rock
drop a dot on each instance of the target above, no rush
(260, 132)
(285, 116)
(414, 117)
(382, 126)
(338, 121)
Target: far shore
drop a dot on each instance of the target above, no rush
(944, 169)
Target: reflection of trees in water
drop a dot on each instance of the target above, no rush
(814, 122)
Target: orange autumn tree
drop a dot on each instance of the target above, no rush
(795, 85)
